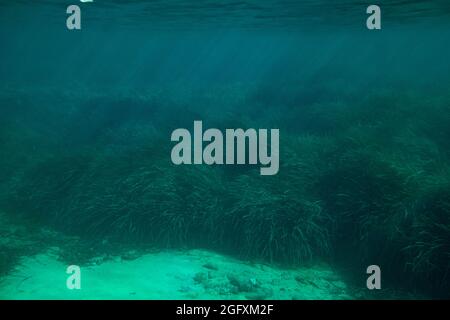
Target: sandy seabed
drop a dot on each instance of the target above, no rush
(192, 274)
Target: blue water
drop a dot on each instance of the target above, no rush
(86, 117)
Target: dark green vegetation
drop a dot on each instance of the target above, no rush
(364, 177)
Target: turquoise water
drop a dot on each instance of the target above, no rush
(86, 174)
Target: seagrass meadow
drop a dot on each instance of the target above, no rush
(86, 176)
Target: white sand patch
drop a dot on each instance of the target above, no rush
(194, 274)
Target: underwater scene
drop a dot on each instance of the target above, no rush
(229, 149)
